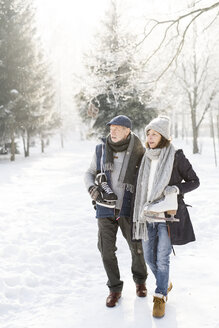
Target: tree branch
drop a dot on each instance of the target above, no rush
(172, 23)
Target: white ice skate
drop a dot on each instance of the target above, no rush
(167, 204)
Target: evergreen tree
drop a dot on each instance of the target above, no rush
(39, 119)
(114, 78)
(8, 73)
(49, 119)
(24, 88)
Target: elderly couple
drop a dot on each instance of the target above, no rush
(132, 178)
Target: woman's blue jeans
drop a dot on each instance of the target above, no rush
(157, 251)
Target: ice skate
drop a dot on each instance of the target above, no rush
(168, 204)
(107, 197)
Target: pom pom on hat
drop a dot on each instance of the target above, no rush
(161, 124)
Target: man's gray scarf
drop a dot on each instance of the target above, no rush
(162, 177)
(134, 152)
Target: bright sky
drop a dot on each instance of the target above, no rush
(67, 27)
(75, 21)
(71, 23)
(71, 19)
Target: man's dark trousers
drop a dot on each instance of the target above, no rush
(108, 228)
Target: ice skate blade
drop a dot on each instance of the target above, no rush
(154, 217)
(106, 205)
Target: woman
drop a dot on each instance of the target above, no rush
(163, 171)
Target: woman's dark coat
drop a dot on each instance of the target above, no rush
(184, 177)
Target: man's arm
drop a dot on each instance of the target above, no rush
(90, 174)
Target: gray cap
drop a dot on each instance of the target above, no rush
(161, 124)
(121, 120)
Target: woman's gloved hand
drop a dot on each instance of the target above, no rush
(171, 190)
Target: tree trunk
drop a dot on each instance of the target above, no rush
(28, 145)
(194, 133)
(183, 124)
(195, 142)
(12, 147)
(42, 145)
(213, 137)
(218, 128)
(24, 145)
(176, 130)
(62, 140)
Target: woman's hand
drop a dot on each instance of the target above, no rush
(171, 190)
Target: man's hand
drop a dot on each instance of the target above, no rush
(94, 192)
(94, 204)
(171, 190)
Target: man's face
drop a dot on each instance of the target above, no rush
(118, 132)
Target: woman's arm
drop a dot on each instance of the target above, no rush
(191, 181)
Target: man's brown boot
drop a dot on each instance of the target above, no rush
(113, 298)
(159, 306)
(141, 290)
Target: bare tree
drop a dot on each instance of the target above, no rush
(199, 88)
(175, 31)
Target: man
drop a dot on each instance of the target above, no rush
(115, 165)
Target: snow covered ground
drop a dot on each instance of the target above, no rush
(51, 274)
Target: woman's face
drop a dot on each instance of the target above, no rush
(153, 138)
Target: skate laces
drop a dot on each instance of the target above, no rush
(106, 188)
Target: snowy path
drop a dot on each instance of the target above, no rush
(51, 275)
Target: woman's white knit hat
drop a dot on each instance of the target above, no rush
(161, 124)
